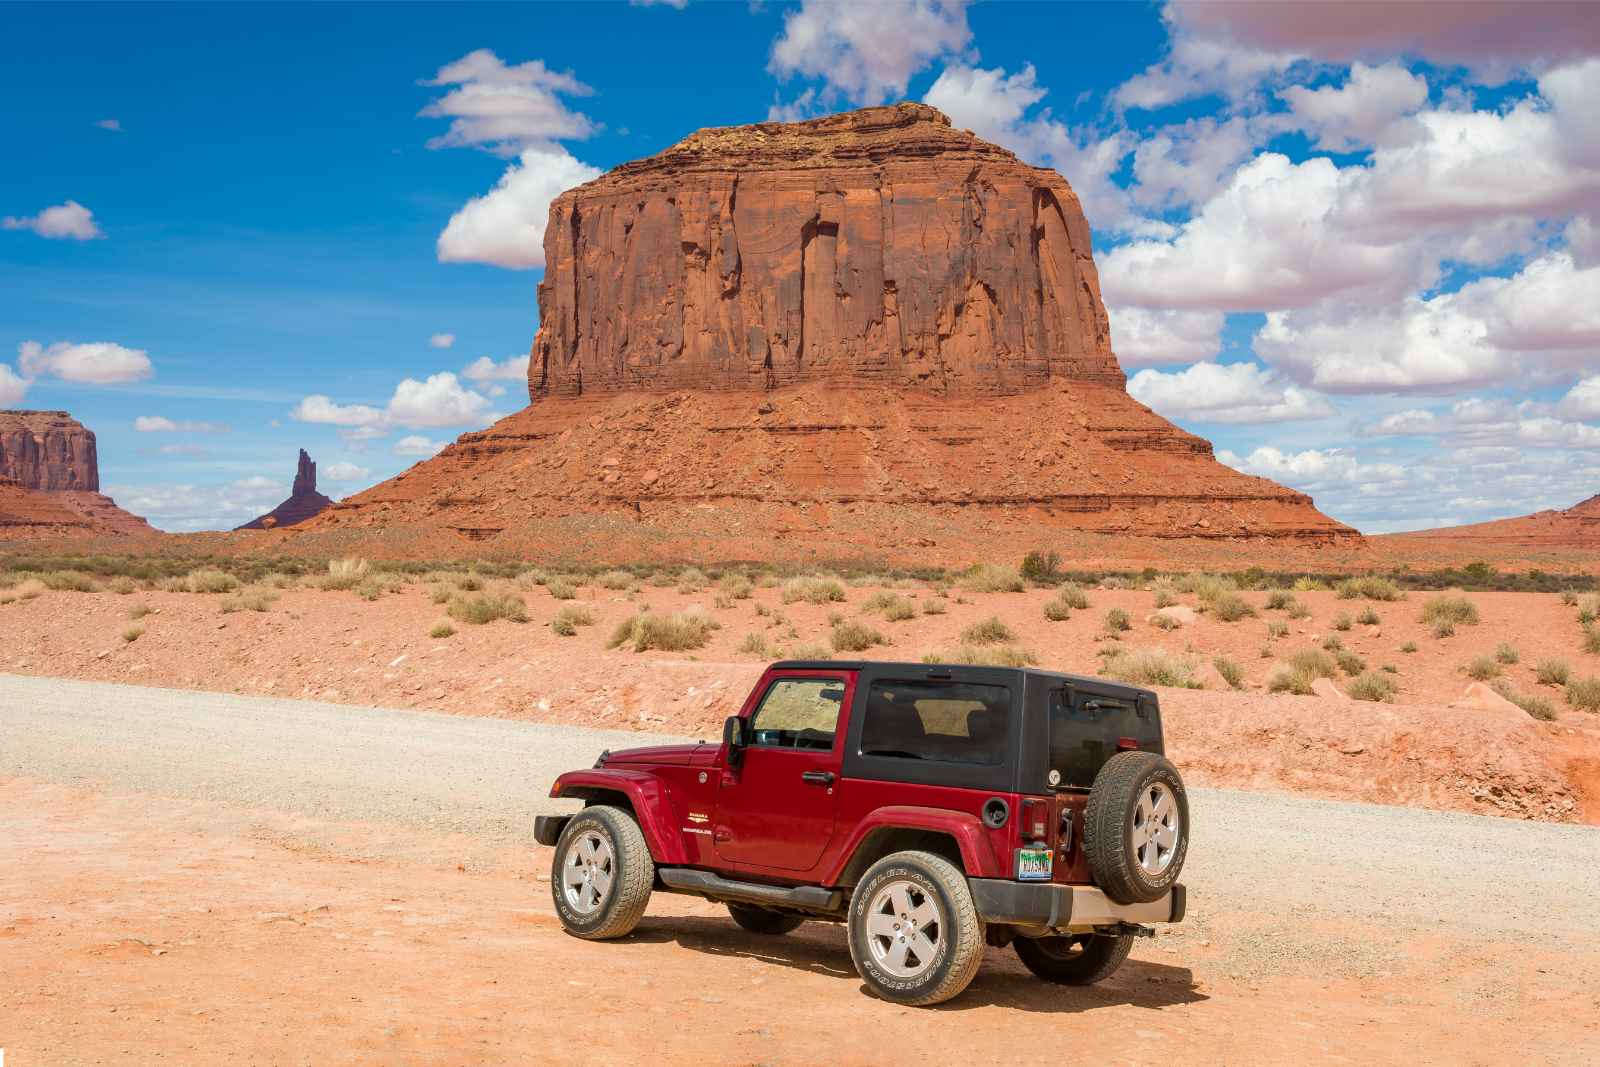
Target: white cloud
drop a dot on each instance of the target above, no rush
(868, 52)
(1480, 422)
(442, 340)
(1187, 163)
(70, 220)
(1198, 64)
(114, 125)
(441, 400)
(94, 363)
(318, 408)
(13, 387)
(417, 445)
(677, 5)
(344, 472)
(1141, 336)
(1583, 400)
(510, 369)
(505, 109)
(1314, 469)
(187, 507)
(162, 424)
(192, 451)
(505, 226)
(1361, 111)
(1225, 393)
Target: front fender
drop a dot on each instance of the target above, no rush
(652, 809)
(971, 837)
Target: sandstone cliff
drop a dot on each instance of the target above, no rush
(304, 501)
(50, 480)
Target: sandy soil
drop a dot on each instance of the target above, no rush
(335, 646)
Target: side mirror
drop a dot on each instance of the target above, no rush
(733, 736)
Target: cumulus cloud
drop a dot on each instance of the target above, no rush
(417, 445)
(187, 507)
(505, 109)
(162, 424)
(438, 400)
(1141, 336)
(505, 226)
(318, 408)
(344, 471)
(13, 387)
(1583, 400)
(94, 363)
(868, 52)
(68, 221)
(1225, 393)
(1360, 112)
(442, 340)
(1483, 422)
(484, 369)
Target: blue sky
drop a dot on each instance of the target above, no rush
(1362, 260)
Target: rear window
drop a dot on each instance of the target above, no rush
(943, 722)
(1085, 729)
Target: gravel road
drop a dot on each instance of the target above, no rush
(1358, 867)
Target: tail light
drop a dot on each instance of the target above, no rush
(1035, 820)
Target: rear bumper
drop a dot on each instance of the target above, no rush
(1067, 907)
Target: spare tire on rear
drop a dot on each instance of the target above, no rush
(1136, 827)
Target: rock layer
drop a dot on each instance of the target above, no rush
(877, 246)
(49, 451)
(304, 501)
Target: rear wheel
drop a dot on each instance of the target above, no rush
(914, 933)
(763, 920)
(602, 874)
(1080, 960)
(1136, 827)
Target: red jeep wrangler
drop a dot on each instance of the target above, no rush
(934, 809)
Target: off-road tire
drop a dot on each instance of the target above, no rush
(960, 946)
(763, 920)
(1081, 960)
(1108, 827)
(633, 874)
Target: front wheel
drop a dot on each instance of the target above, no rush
(1081, 960)
(602, 874)
(914, 933)
(763, 920)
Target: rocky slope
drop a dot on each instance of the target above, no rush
(50, 480)
(1574, 527)
(867, 334)
(304, 501)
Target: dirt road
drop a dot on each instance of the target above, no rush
(207, 877)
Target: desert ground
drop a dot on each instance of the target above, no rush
(192, 876)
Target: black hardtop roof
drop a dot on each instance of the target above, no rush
(923, 669)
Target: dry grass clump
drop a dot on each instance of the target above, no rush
(1588, 609)
(1230, 671)
(1230, 607)
(1368, 617)
(809, 650)
(679, 632)
(754, 644)
(203, 580)
(1072, 595)
(138, 611)
(1506, 653)
(1300, 670)
(1299, 611)
(1280, 600)
(692, 580)
(1552, 672)
(1165, 591)
(1277, 629)
(569, 618)
(990, 631)
(1310, 585)
(1342, 622)
(1591, 640)
(983, 656)
(812, 589)
(1057, 610)
(991, 578)
(249, 600)
(1164, 622)
(1451, 610)
(1350, 663)
(561, 589)
(1409, 647)
(851, 636)
(1151, 666)
(892, 606)
(613, 580)
(1584, 693)
(1117, 621)
(122, 585)
(1333, 642)
(476, 609)
(1537, 706)
(441, 630)
(1041, 567)
(736, 586)
(1289, 680)
(934, 605)
(69, 582)
(132, 633)
(345, 573)
(1378, 688)
(1367, 587)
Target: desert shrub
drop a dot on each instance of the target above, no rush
(29, 589)
(984, 656)
(1230, 607)
(1569, 597)
(476, 609)
(1314, 662)
(1591, 640)
(1332, 643)
(736, 586)
(1350, 663)
(249, 600)
(1117, 621)
(1289, 680)
(138, 611)
(1231, 672)
(1280, 600)
(835, 618)
(132, 633)
(1299, 611)
(441, 629)
(1057, 611)
(440, 594)
(1277, 629)
(991, 578)
(203, 580)
(1072, 595)
(679, 632)
(1367, 587)
(934, 605)
(280, 580)
(892, 606)
(1408, 647)
(691, 580)
(1536, 706)
(810, 650)
(1368, 617)
(851, 636)
(1374, 687)
(1444, 628)
(69, 582)
(1204, 586)
(754, 644)
(122, 585)
(1584, 693)
(615, 580)
(1164, 622)
(1342, 622)
(1588, 610)
(1166, 592)
(1308, 584)
(1152, 666)
(1506, 653)
(1043, 568)
(569, 618)
(1389, 668)
(1457, 610)
(812, 589)
(990, 631)
(561, 589)
(470, 583)
(369, 588)
(344, 573)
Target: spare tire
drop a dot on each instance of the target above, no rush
(1136, 827)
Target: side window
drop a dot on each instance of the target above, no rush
(947, 722)
(798, 713)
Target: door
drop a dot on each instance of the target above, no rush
(775, 810)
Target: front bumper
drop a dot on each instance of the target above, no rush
(1067, 907)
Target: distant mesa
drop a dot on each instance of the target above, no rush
(304, 501)
(50, 480)
(865, 334)
(1574, 527)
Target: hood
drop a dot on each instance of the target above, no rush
(699, 752)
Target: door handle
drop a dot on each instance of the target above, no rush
(818, 777)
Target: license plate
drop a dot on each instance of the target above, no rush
(1033, 864)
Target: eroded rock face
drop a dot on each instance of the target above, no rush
(49, 451)
(878, 246)
(304, 501)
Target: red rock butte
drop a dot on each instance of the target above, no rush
(866, 334)
(304, 501)
(50, 480)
